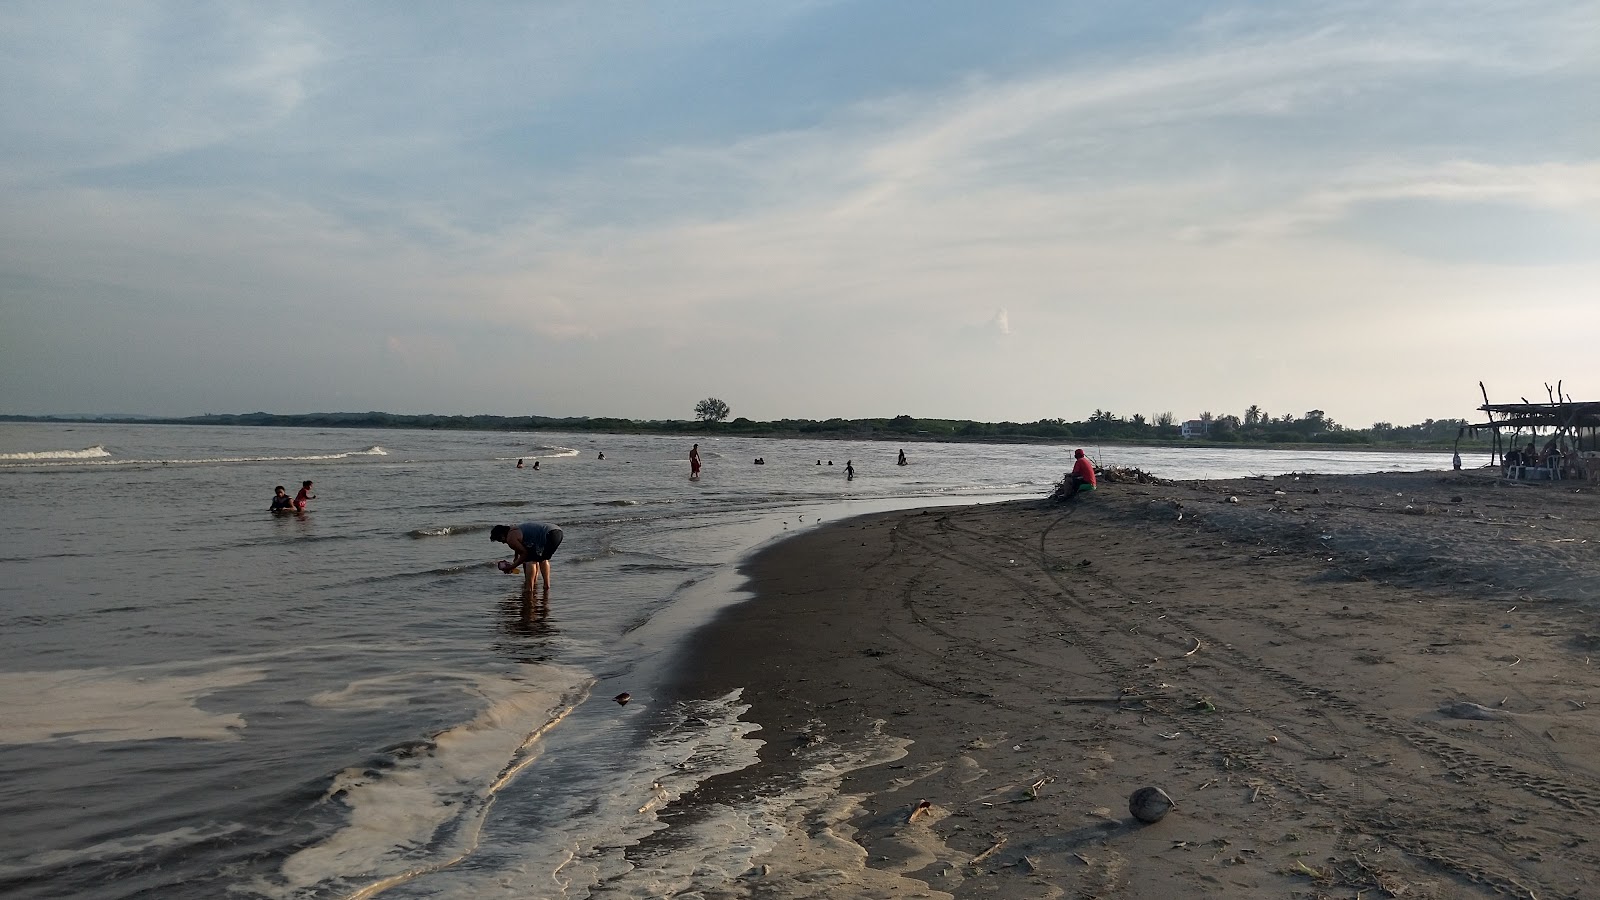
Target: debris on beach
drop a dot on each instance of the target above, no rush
(1129, 475)
(1461, 709)
(1150, 804)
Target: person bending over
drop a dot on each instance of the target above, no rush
(533, 543)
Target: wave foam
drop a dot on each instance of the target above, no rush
(100, 456)
(95, 452)
(425, 812)
(123, 704)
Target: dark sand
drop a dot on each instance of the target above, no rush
(1278, 662)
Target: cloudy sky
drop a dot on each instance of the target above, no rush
(993, 211)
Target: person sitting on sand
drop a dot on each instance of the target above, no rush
(1082, 477)
(281, 501)
(532, 543)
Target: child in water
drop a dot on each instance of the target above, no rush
(281, 501)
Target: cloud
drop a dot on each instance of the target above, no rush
(1001, 323)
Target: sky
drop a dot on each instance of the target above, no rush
(999, 211)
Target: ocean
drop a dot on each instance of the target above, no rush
(201, 699)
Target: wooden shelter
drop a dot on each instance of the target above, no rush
(1571, 424)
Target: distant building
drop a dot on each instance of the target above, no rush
(1196, 428)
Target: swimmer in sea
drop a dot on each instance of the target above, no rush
(281, 501)
(694, 461)
(304, 495)
(519, 463)
(849, 470)
(532, 543)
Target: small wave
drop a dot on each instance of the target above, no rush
(435, 791)
(619, 503)
(98, 456)
(95, 452)
(445, 531)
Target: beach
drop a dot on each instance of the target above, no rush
(1349, 686)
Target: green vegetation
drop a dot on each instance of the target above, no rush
(1254, 428)
(711, 410)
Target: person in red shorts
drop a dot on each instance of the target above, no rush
(304, 495)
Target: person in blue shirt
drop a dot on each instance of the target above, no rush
(533, 543)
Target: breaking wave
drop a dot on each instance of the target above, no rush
(95, 452)
(100, 456)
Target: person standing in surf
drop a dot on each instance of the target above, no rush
(305, 495)
(694, 461)
(281, 501)
(532, 543)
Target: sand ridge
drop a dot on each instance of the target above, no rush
(1285, 657)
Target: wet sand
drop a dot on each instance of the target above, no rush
(959, 702)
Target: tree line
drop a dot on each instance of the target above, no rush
(1255, 426)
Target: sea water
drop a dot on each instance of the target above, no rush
(201, 699)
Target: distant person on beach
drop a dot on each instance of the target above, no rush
(1082, 473)
(1455, 461)
(849, 470)
(694, 461)
(281, 501)
(305, 495)
(519, 463)
(532, 545)
(902, 460)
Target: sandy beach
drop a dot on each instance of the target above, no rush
(1356, 686)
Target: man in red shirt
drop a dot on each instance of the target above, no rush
(1082, 473)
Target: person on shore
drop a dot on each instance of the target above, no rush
(1455, 461)
(281, 501)
(303, 497)
(1082, 477)
(694, 461)
(519, 463)
(532, 544)
(849, 470)
(902, 460)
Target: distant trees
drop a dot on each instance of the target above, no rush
(711, 410)
(1255, 427)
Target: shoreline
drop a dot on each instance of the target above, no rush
(1286, 657)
